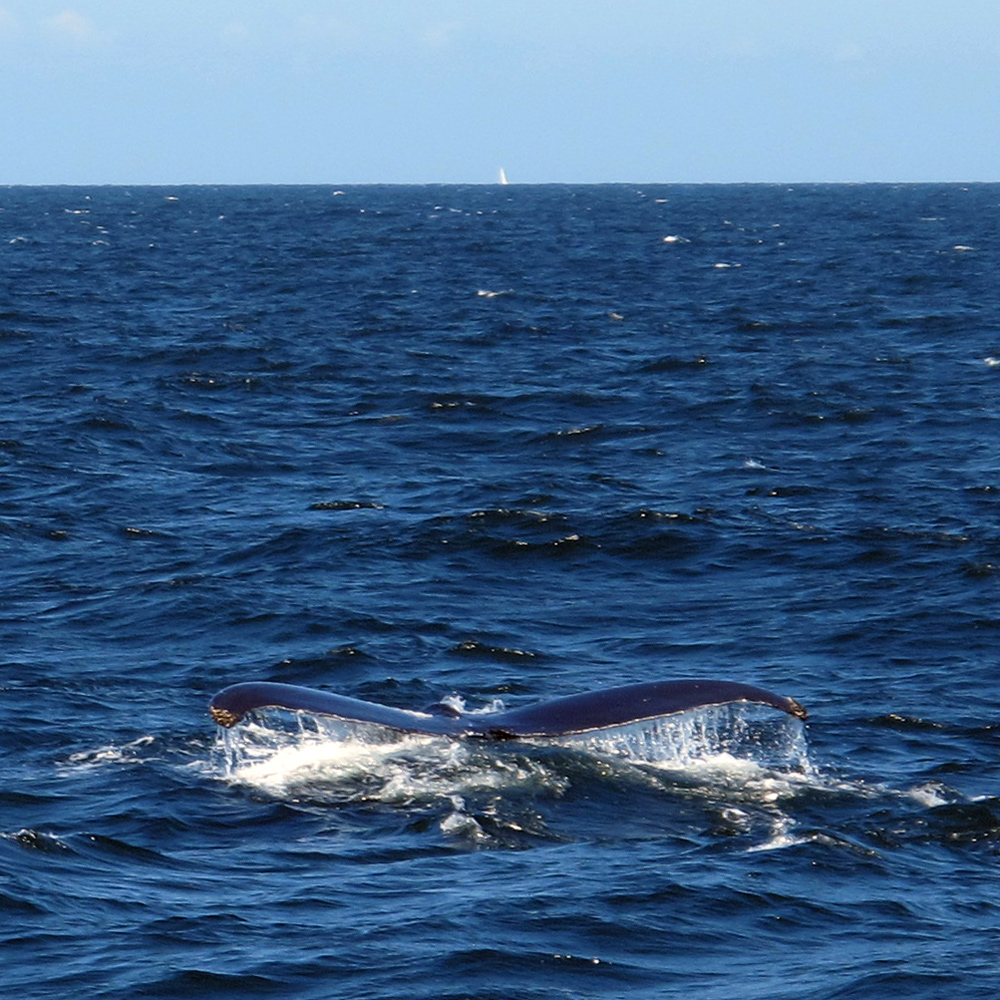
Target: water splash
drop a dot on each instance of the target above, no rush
(293, 753)
(718, 735)
(327, 760)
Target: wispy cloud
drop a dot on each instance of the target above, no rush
(70, 25)
(441, 35)
(328, 29)
(8, 22)
(849, 52)
(236, 34)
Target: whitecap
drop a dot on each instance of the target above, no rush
(931, 795)
(782, 835)
(459, 823)
(458, 704)
(135, 752)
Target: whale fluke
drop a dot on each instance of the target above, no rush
(580, 713)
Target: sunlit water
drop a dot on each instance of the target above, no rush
(503, 445)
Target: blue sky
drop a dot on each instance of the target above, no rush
(415, 91)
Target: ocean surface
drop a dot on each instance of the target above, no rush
(500, 444)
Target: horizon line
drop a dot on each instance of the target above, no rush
(357, 184)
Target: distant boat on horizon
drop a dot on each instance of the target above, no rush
(503, 176)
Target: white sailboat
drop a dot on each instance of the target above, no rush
(503, 176)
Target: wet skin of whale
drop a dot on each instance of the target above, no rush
(575, 714)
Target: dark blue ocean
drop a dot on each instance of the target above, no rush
(503, 444)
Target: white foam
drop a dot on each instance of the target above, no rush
(345, 762)
(457, 702)
(135, 752)
(291, 768)
(931, 795)
(458, 823)
(782, 836)
(748, 760)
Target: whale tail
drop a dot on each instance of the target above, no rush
(582, 713)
